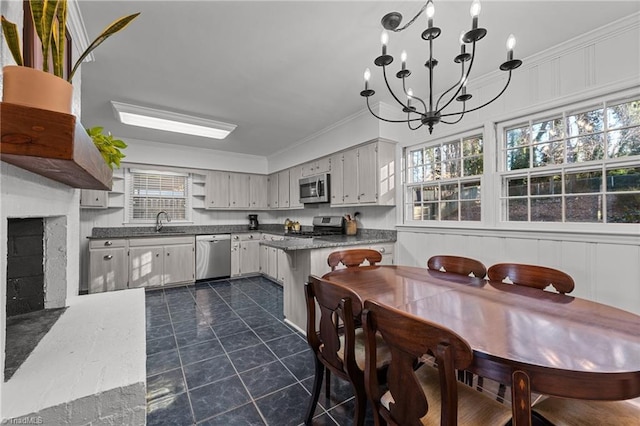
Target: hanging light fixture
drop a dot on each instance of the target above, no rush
(422, 112)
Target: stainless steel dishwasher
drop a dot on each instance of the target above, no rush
(213, 256)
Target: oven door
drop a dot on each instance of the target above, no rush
(314, 189)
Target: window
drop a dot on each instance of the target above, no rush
(575, 166)
(150, 192)
(444, 180)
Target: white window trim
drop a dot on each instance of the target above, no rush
(127, 196)
(405, 184)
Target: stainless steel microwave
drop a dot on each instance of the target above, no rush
(314, 189)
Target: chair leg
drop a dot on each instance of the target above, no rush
(327, 383)
(317, 384)
(501, 391)
(480, 386)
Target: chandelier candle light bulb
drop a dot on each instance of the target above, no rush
(403, 58)
(367, 76)
(430, 12)
(384, 39)
(511, 43)
(475, 12)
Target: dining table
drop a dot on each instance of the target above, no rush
(532, 340)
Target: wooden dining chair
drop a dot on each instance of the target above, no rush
(535, 276)
(353, 258)
(457, 265)
(461, 266)
(427, 395)
(568, 412)
(337, 344)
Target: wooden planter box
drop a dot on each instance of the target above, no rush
(51, 144)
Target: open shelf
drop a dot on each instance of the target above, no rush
(53, 145)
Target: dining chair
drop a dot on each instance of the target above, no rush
(567, 412)
(535, 276)
(427, 395)
(461, 266)
(337, 345)
(457, 265)
(353, 258)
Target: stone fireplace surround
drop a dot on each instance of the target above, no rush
(90, 367)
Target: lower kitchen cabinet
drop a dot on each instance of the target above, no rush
(269, 257)
(245, 254)
(108, 265)
(155, 262)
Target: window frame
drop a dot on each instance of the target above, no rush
(129, 188)
(563, 169)
(407, 185)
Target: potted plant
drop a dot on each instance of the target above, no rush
(27, 86)
(109, 147)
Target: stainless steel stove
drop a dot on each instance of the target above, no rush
(324, 226)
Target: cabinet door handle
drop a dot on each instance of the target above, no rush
(108, 257)
(157, 254)
(108, 243)
(381, 250)
(168, 254)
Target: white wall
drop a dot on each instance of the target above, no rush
(605, 266)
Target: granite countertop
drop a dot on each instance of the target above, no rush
(291, 241)
(295, 243)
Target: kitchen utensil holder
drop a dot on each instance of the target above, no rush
(351, 227)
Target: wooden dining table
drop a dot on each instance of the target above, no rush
(533, 340)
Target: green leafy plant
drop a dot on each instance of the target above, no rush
(50, 21)
(108, 146)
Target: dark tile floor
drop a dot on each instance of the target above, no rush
(219, 353)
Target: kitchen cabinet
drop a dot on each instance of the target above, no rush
(238, 191)
(108, 265)
(315, 167)
(269, 257)
(368, 175)
(258, 192)
(245, 254)
(295, 173)
(336, 180)
(283, 189)
(94, 199)
(272, 191)
(155, 262)
(217, 190)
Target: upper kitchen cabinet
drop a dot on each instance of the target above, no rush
(258, 192)
(283, 189)
(235, 191)
(217, 190)
(367, 175)
(295, 173)
(315, 167)
(336, 180)
(239, 191)
(279, 190)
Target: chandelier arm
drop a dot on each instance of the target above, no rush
(413, 128)
(454, 122)
(408, 24)
(388, 121)
(413, 97)
(384, 73)
(466, 78)
(485, 104)
(452, 87)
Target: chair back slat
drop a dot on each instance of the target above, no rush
(409, 338)
(535, 276)
(353, 258)
(457, 265)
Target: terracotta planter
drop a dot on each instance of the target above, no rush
(38, 89)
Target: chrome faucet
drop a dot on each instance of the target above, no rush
(159, 219)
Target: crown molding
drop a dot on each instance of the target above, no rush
(78, 32)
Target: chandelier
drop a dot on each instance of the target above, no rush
(420, 112)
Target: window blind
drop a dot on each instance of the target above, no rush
(152, 192)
